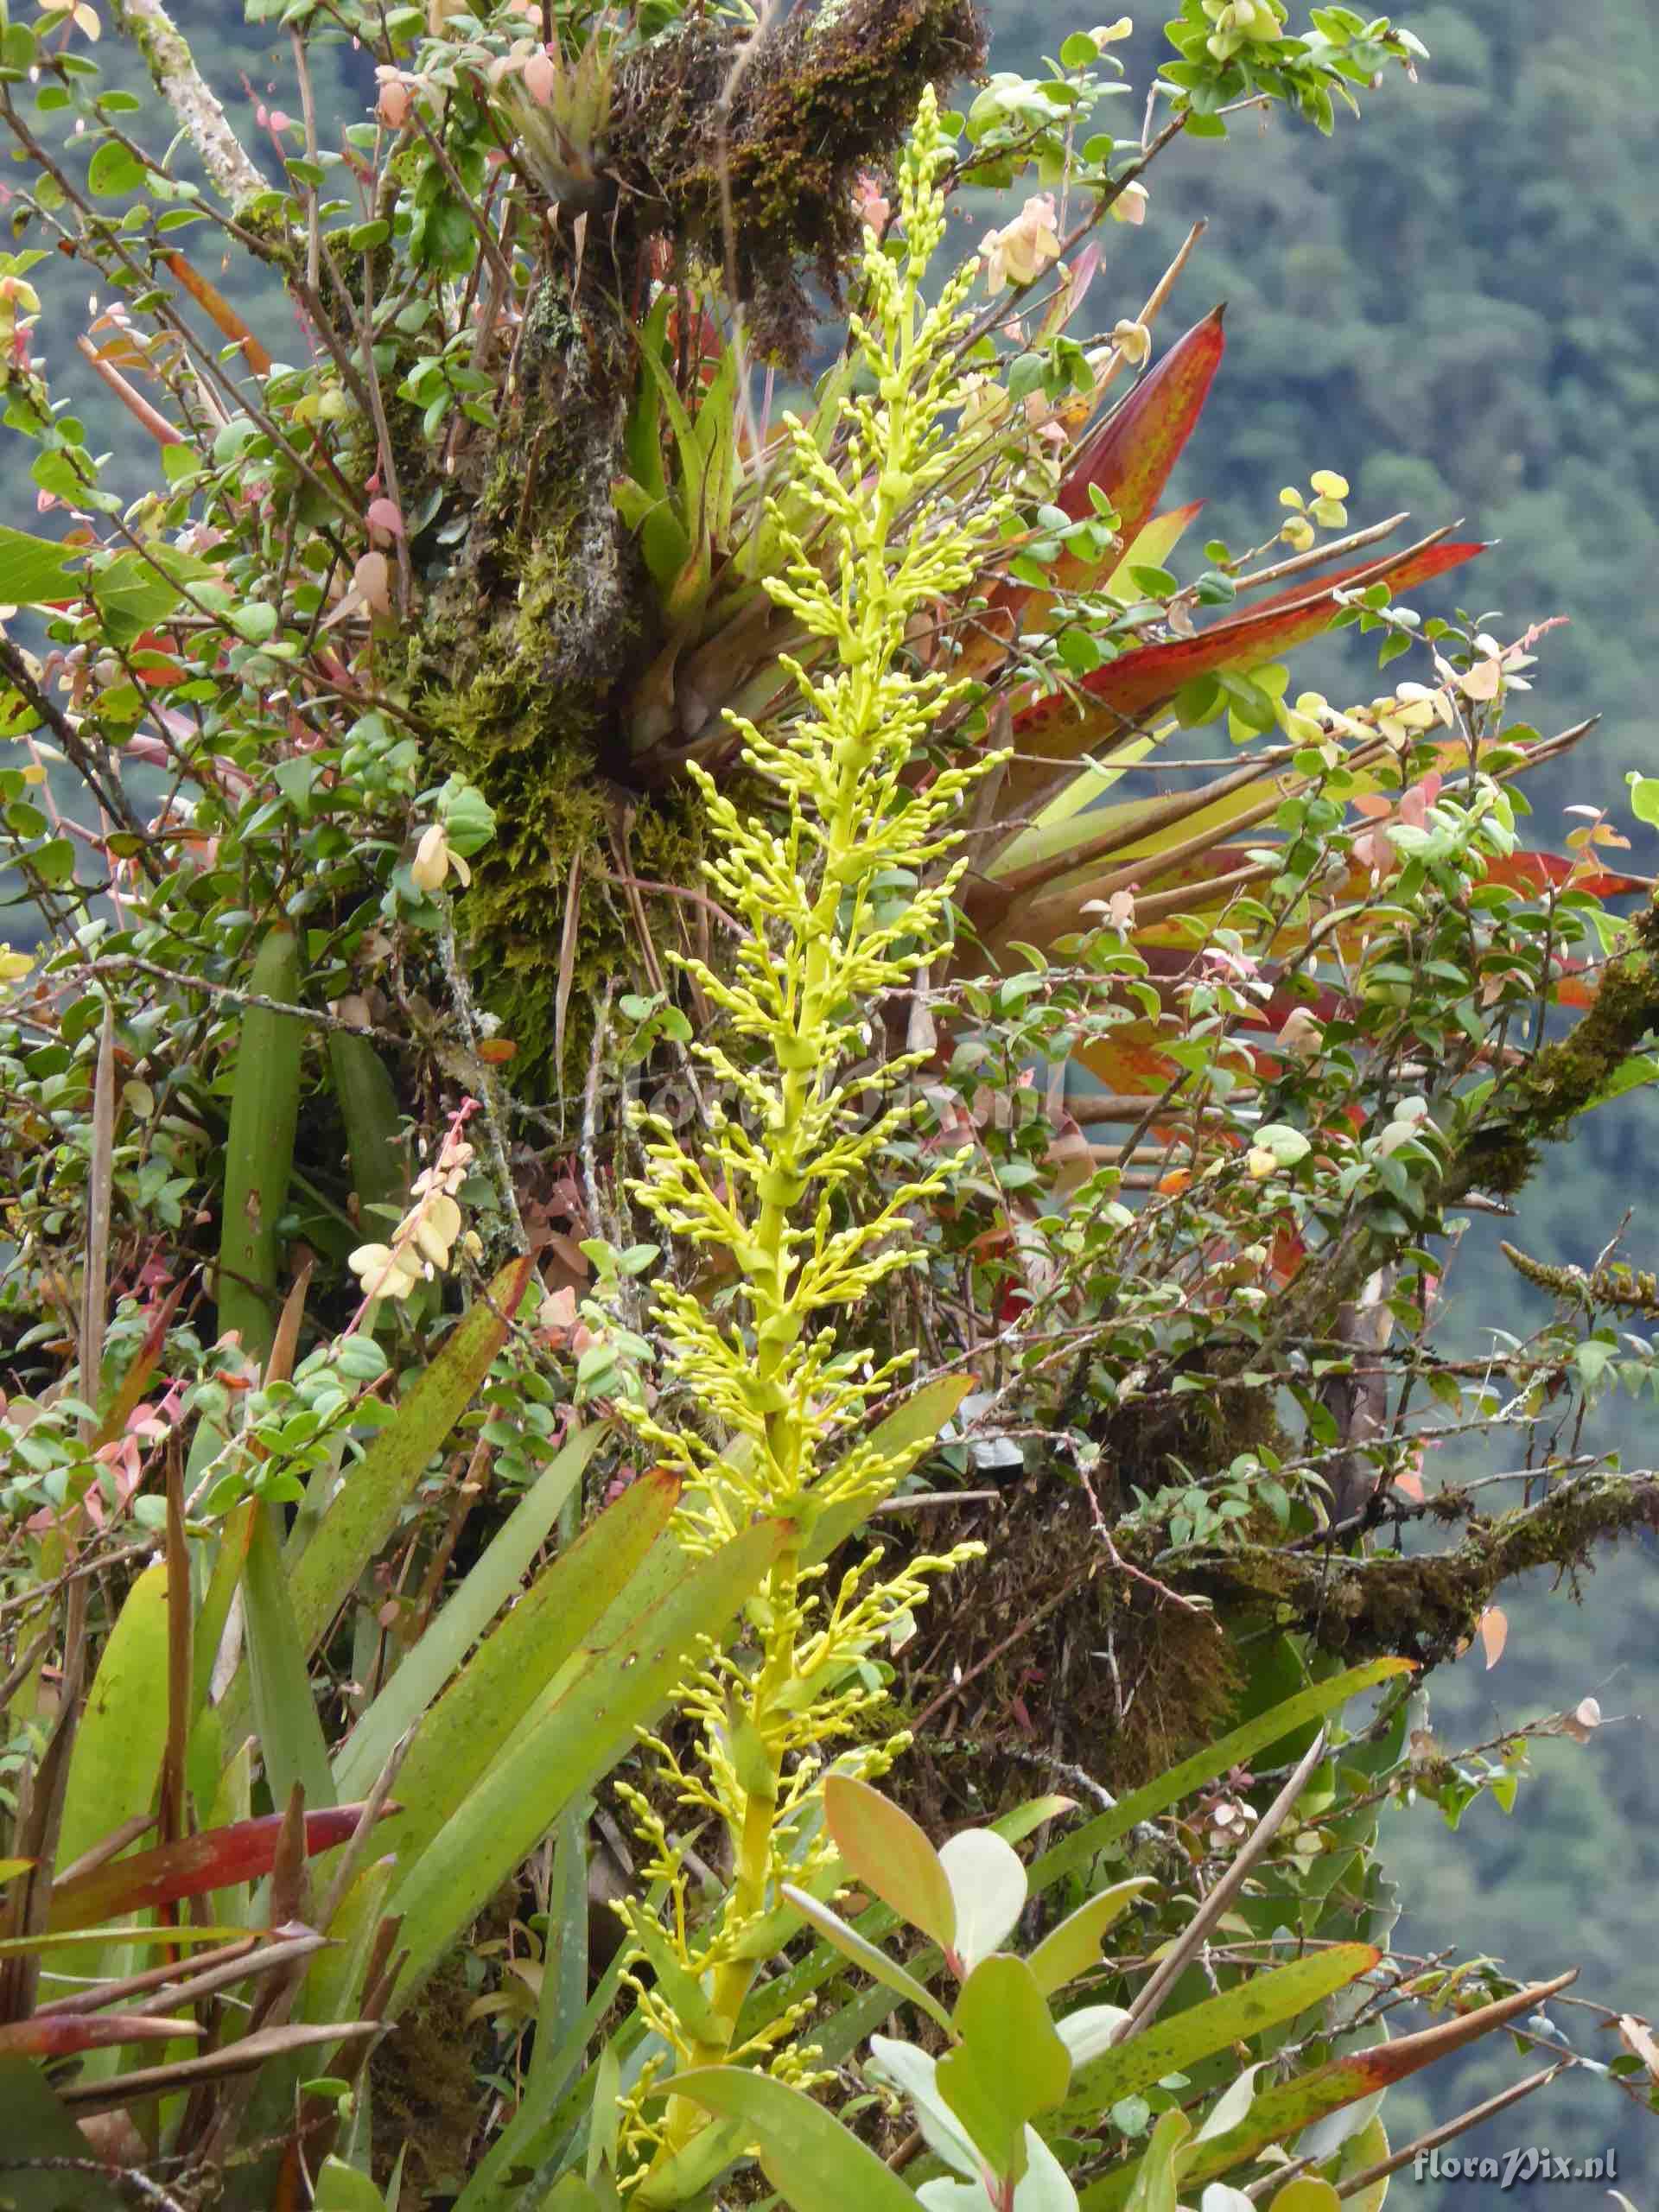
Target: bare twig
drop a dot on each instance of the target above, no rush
(1191, 1941)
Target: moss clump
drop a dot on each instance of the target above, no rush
(1566, 1078)
(424, 2076)
(1127, 1681)
(1425, 1607)
(710, 126)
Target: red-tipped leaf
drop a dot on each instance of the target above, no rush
(60, 2036)
(1128, 460)
(1126, 689)
(1130, 456)
(219, 1859)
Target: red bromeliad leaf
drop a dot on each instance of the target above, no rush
(1130, 456)
(1128, 460)
(1555, 871)
(62, 2034)
(1123, 693)
(222, 1859)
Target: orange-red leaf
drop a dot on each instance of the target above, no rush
(218, 310)
(1123, 692)
(218, 1860)
(1130, 456)
(1533, 871)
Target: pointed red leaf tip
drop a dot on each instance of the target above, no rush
(1130, 457)
(220, 1858)
(1129, 687)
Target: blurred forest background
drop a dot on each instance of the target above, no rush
(1457, 305)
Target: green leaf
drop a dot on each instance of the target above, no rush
(1043, 2187)
(33, 570)
(876, 1961)
(112, 171)
(136, 591)
(885, 1853)
(53, 862)
(1307, 2193)
(254, 623)
(904, 1437)
(38, 2128)
(340, 2188)
(1010, 2064)
(575, 1732)
(807, 2155)
(482, 1593)
(1073, 1948)
(1645, 797)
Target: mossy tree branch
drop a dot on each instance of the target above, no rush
(1425, 1606)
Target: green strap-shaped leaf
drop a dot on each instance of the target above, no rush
(875, 1963)
(117, 1759)
(904, 1436)
(1178, 2040)
(372, 1113)
(515, 1669)
(1237, 1748)
(580, 1729)
(486, 1589)
(365, 1509)
(259, 1151)
(285, 1712)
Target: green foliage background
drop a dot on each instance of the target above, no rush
(1457, 304)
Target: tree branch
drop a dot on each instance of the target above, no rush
(173, 72)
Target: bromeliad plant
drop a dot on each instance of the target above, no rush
(407, 697)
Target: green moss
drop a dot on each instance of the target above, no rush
(1424, 1607)
(1566, 1078)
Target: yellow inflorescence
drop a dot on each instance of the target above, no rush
(779, 1394)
